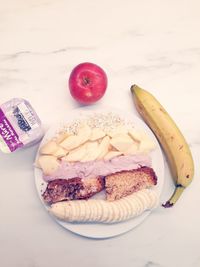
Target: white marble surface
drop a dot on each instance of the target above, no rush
(155, 44)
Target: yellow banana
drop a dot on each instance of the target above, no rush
(171, 139)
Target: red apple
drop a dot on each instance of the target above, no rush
(87, 83)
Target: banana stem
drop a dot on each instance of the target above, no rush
(177, 193)
(132, 88)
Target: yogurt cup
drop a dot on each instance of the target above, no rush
(20, 125)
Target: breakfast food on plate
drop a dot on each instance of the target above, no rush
(172, 140)
(100, 154)
(99, 210)
(95, 144)
(124, 183)
(48, 164)
(62, 169)
(71, 189)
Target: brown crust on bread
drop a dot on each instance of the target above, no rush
(124, 183)
(72, 189)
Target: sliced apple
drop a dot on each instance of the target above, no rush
(70, 142)
(61, 137)
(76, 154)
(135, 134)
(49, 148)
(84, 133)
(133, 149)
(121, 142)
(74, 141)
(117, 131)
(48, 164)
(96, 134)
(92, 151)
(112, 154)
(103, 147)
(60, 152)
(146, 145)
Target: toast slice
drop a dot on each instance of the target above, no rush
(124, 183)
(72, 189)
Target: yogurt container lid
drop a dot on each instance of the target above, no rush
(20, 125)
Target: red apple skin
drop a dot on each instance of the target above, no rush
(87, 83)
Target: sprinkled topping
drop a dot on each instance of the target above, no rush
(73, 127)
(104, 121)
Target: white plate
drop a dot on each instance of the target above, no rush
(95, 230)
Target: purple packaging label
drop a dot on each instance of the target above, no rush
(8, 133)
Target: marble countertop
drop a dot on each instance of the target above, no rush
(155, 44)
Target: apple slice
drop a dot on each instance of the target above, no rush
(49, 148)
(133, 149)
(76, 154)
(103, 147)
(118, 131)
(84, 133)
(112, 154)
(121, 142)
(136, 135)
(60, 152)
(92, 151)
(48, 164)
(146, 145)
(96, 134)
(71, 142)
(61, 137)
(74, 141)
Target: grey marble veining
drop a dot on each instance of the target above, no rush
(33, 53)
